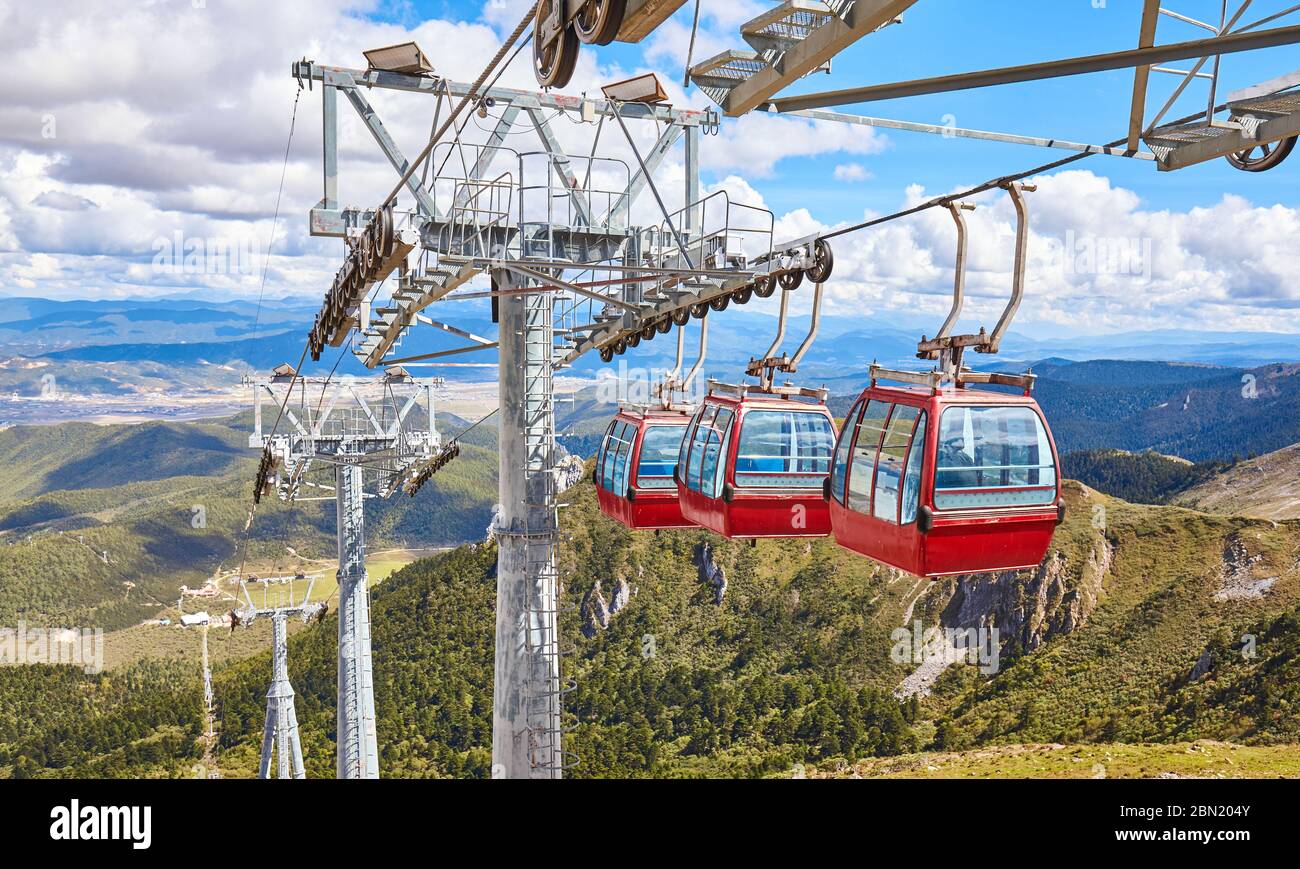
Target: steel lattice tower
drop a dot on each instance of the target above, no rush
(280, 740)
(384, 426)
(280, 735)
(358, 752)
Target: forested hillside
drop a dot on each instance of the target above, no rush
(102, 525)
(1107, 642)
(1194, 412)
(1130, 632)
(1142, 478)
(1201, 413)
(139, 723)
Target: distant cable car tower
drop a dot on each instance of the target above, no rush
(280, 734)
(209, 766)
(384, 426)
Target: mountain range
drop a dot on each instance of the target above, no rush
(1156, 638)
(184, 334)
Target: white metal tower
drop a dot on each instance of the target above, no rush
(384, 426)
(526, 714)
(280, 740)
(280, 735)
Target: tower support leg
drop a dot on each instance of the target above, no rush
(526, 726)
(357, 748)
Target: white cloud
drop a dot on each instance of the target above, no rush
(719, 30)
(124, 122)
(851, 173)
(1226, 266)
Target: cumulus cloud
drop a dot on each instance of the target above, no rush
(175, 118)
(1096, 257)
(851, 172)
(61, 201)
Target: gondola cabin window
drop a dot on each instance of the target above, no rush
(704, 448)
(840, 468)
(615, 457)
(912, 476)
(862, 471)
(884, 478)
(894, 450)
(784, 449)
(993, 457)
(713, 469)
(659, 448)
(693, 447)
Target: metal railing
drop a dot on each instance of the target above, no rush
(711, 233)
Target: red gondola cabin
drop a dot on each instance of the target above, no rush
(634, 469)
(946, 481)
(754, 466)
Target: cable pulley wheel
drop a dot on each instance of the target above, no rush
(700, 311)
(719, 303)
(681, 316)
(388, 244)
(607, 353)
(633, 340)
(554, 63)
(648, 332)
(743, 295)
(791, 280)
(764, 287)
(665, 325)
(1261, 158)
(599, 21)
(376, 252)
(620, 346)
(823, 263)
(367, 254)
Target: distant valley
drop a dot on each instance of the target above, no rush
(182, 359)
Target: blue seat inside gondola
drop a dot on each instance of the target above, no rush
(745, 465)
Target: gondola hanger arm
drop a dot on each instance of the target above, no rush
(699, 363)
(959, 278)
(1016, 190)
(813, 328)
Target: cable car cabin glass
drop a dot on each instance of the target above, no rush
(993, 457)
(755, 468)
(616, 452)
(705, 451)
(962, 481)
(657, 458)
(634, 470)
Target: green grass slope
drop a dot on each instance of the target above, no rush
(114, 545)
(1147, 632)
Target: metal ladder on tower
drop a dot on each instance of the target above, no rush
(389, 324)
(545, 685)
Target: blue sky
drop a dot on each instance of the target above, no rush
(940, 37)
(174, 121)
